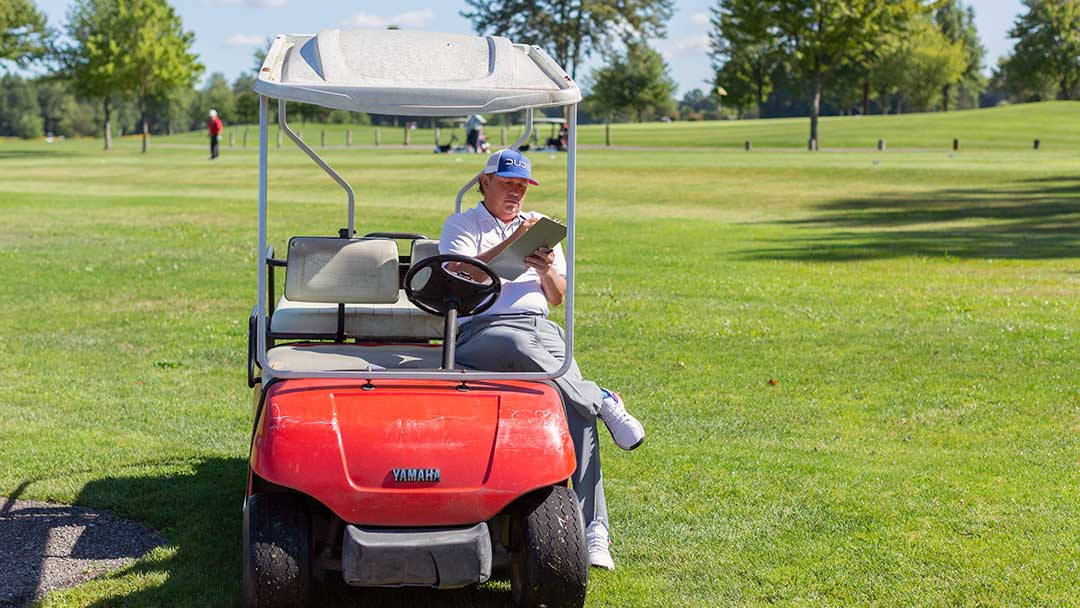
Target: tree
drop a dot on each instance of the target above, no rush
(916, 65)
(571, 30)
(247, 102)
(24, 33)
(97, 61)
(744, 48)
(635, 82)
(217, 94)
(696, 105)
(820, 38)
(159, 53)
(19, 112)
(1047, 48)
(957, 23)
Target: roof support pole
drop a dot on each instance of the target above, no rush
(260, 303)
(514, 146)
(571, 221)
(284, 124)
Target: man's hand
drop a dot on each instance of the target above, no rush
(523, 227)
(543, 260)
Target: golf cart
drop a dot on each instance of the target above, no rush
(374, 459)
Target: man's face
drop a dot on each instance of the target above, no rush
(503, 196)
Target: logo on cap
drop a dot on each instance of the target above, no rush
(510, 163)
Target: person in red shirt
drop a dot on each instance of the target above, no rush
(215, 127)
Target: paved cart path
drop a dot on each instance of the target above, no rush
(46, 546)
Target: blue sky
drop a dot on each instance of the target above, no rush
(228, 31)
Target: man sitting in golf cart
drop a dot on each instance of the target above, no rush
(516, 335)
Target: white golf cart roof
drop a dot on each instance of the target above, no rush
(413, 73)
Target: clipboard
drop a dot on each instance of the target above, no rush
(510, 263)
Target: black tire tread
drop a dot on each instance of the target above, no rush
(278, 570)
(554, 563)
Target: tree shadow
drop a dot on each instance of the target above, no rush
(201, 514)
(28, 154)
(1031, 219)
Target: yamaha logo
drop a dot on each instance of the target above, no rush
(416, 475)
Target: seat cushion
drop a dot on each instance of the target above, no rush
(326, 269)
(423, 249)
(366, 321)
(342, 357)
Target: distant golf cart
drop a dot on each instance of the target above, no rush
(374, 460)
(557, 139)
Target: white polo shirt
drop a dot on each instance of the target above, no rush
(475, 231)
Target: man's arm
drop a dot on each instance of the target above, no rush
(485, 256)
(552, 281)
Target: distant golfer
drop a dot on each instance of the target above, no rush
(474, 128)
(214, 124)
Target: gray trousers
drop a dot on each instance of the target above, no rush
(531, 343)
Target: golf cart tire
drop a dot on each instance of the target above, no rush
(277, 562)
(549, 565)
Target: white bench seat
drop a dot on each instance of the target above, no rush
(353, 357)
(400, 319)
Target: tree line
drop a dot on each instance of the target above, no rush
(127, 65)
(805, 57)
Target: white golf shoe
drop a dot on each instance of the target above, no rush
(597, 540)
(625, 429)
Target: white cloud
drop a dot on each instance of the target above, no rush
(700, 18)
(246, 40)
(258, 3)
(690, 45)
(411, 19)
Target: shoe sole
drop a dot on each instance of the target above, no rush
(631, 448)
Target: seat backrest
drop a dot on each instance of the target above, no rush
(422, 249)
(343, 271)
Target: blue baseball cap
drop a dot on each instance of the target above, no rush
(510, 163)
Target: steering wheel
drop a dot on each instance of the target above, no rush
(435, 290)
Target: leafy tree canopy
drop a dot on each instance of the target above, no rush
(24, 33)
(634, 82)
(1047, 52)
(571, 30)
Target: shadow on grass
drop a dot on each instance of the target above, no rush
(201, 514)
(28, 154)
(1031, 219)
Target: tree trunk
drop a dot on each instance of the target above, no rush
(145, 127)
(108, 125)
(760, 96)
(945, 97)
(865, 96)
(815, 106)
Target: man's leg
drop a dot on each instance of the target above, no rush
(516, 344)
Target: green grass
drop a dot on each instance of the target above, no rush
(1056, 124)
(918, 312)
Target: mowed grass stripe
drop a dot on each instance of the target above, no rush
(918, 315)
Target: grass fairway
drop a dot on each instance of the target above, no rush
(858, 370)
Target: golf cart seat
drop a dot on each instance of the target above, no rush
(399, 319)
(323, 273)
